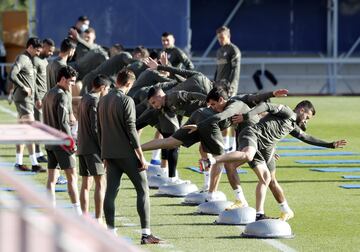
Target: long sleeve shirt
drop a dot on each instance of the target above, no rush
(116, 125)
(56, 112)
(88, 142)
(279, 122)
(40, 84)
(178, 58)
(22, 74)
(228, 66)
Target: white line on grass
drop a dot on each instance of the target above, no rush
(127, 223)
(275, 243)
(8, 111)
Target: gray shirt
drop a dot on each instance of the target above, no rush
(22, 74)
(228, 66)
(117, 130)
(88, 142)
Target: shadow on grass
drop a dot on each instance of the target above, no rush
(316, 166)
(229, 237)
(184, 224)
(188, 214)
(301, 181)
(166, 205)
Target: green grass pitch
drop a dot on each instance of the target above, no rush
(327, 218)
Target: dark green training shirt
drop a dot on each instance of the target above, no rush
(228, 66)
(279, 122)
(176, 103)
(41, 86)
(90, 61)
(22, 74)
(109, 68)
(184, 103)
(117, 129)
(56, 112)
(194, 81)
(178, 58)
(52, 71)
(147, 78)
(88, 142)
(137, 67)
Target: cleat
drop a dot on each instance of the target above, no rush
(38, 168)
(21, 167)
(41, 159)
(61, 181)
(237, 204)
(155, 162)
(262, 217)
(150, 239)
(285, 216)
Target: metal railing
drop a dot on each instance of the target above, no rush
(331, 75)
(29, 223)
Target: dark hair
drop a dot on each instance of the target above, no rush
(142, 50)
(167, 34)
(222, 83)
(90, 30)
(83, 18)
(223, 29)
(34, 42)
(307, 105)
(217, 92)
(67, 72)
(118, 46)
(153, 91)
(101, 80)
(49, 42)
(124, 76)
(66, 45)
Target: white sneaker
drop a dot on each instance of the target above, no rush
(161, 172)
(113, 231)
(215, 197)
(204, 189)
(177, 181)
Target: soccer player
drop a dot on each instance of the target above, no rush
(176, 56)
(56, 109)
(90, 164)
(255, 142)
(22, 74)
(40, 63)
(116, 114)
